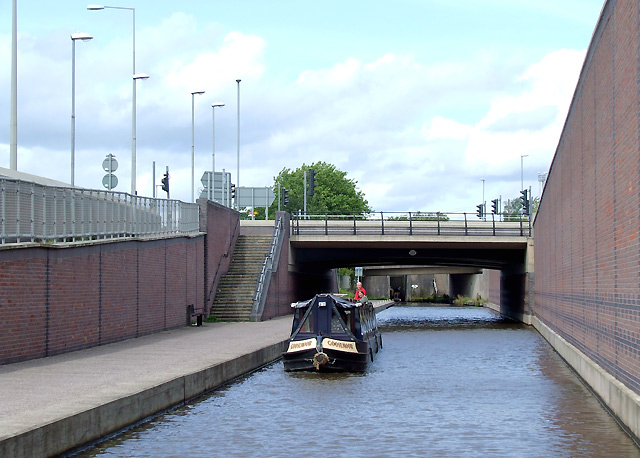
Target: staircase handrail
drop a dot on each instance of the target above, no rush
(268, 264)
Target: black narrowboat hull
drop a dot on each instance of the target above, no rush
(331, 355)
(331, 334)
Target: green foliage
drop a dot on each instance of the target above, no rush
(461, 301)
(512, 209)
(419, 216)
(334, 192)
(433, 299)
(350, 271)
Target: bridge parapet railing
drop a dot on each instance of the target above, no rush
(409, 223)
(32, 212)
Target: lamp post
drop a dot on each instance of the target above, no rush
(484, 208)
(213, 151)
(74, 37)
(133, 100)
(136, 77)
(238, 158)
(522, 156)
(193, 155)
(13, 123)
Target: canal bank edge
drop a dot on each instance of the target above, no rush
(70, 433)
(620, 400)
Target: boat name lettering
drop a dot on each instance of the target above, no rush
(300, 345)
(340, 345)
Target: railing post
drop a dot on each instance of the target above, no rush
(44, 213)
(466, 230)
(354, 224)
(33, 212)
(493, 219)
(521, 231)
(326, 224)
(438, 218)
(382, 222)
(3, 202)
(410, 224)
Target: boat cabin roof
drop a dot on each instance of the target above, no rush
(337, 301)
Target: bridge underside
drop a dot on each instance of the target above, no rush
(312, 258)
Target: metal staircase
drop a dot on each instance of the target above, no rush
(235, 294)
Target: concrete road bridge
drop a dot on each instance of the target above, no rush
(447, 242)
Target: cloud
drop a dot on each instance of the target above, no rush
(415, 134)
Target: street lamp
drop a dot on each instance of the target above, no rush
(13, 123)
(484, 209)
(136, 77)
(213, 151)
(133, 99)
(238, 158)
(522, 156)
(193, 155)
(83, 37)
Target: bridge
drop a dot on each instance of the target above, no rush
(455, 244)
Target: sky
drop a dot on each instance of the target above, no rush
(428, 105)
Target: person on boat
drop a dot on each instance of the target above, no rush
(360, 292)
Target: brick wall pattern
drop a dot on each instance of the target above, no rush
(587, 230)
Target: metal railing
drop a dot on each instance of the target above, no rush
(268, 264)
(409, 223)
(31, 212)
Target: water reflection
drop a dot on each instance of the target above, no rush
(449, 382)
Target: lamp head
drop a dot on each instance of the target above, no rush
(217, 104)
(95, 7)
(140, 76)
(81, 36)
(197, 92)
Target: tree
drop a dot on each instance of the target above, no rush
(334, 192)
(512, 209)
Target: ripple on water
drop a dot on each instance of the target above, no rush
(449, 382)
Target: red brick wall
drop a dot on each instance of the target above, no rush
(587, 245)
(55, 300)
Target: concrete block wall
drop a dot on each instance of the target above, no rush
(587, 230)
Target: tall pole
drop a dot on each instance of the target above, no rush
(74, 37)
(522, 170)
(193, 154)
(238, 146)
(133, 111)
(13, 124)
(213, 148)
(484, 207)
(73, 111)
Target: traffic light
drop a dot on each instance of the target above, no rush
(312, 181)
(165, 182)
(233, 191)
(494, 206)
(480, 210)
(285, 197)
(525, 202)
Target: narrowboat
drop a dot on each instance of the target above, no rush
(332, 334)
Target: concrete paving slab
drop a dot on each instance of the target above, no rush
(41, 392)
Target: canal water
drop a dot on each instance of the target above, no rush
(449, 382)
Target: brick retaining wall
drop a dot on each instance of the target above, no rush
(587, 231)
(60, 298)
